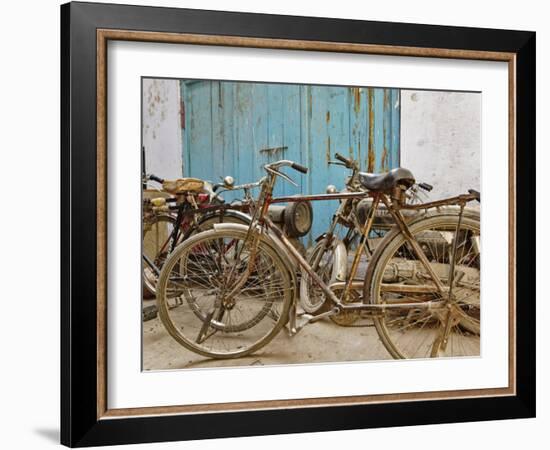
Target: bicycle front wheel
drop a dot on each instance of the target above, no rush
(229, 306)
(449, 328)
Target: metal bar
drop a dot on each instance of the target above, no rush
(453, 255)
(260, 215)
(432, 304)
(411, 288)
(314, 197)
(366, 194)
(459, 199)
(364, 236)
(151, 264)
(389, 287)
(301, 261)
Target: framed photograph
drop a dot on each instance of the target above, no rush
(272, 224)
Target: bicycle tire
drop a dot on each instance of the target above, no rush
(183, 325)
(392, 327)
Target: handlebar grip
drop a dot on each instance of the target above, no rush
(299, 167)
(341, 158)
(346, 161)
(425, 186)
(155, 178)
(476, 193)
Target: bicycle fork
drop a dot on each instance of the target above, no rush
(440, 343)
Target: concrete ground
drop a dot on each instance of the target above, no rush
(323, 341)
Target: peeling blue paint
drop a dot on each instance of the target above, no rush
(233, 128)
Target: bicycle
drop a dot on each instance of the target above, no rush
(329, 257)
(242, 291)
(180, 209)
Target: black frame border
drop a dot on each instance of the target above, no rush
(79, 423)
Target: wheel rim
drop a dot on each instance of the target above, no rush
(208, 321)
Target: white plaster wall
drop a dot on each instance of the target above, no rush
(441, 139)
(161, 128)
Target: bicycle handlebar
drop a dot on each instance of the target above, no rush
(286, 163)
(221, 188)
(348, 162)
(155, 178)
(299, 167)
(427, 187)
(476, 194)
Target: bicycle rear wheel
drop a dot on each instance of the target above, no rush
(156, 246)
(226, 311)
(397, 275)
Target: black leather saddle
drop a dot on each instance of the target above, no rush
(385, 182)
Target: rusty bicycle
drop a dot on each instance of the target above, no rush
(333, 252)
(240, 283)
(181, 208)
(186, 206)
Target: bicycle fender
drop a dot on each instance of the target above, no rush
(228, 212)
(470, 212)
(270, 239)
(320, 237)
(340, 269)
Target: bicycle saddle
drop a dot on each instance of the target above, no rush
(182, 185)
(383, 182)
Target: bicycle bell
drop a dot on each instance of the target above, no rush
(228, 181)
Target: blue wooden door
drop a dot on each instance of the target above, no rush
(233, 128)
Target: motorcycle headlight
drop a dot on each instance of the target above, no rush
(298, 218)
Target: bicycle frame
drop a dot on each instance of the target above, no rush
(261, 220)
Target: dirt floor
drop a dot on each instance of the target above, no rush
(323, 341)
